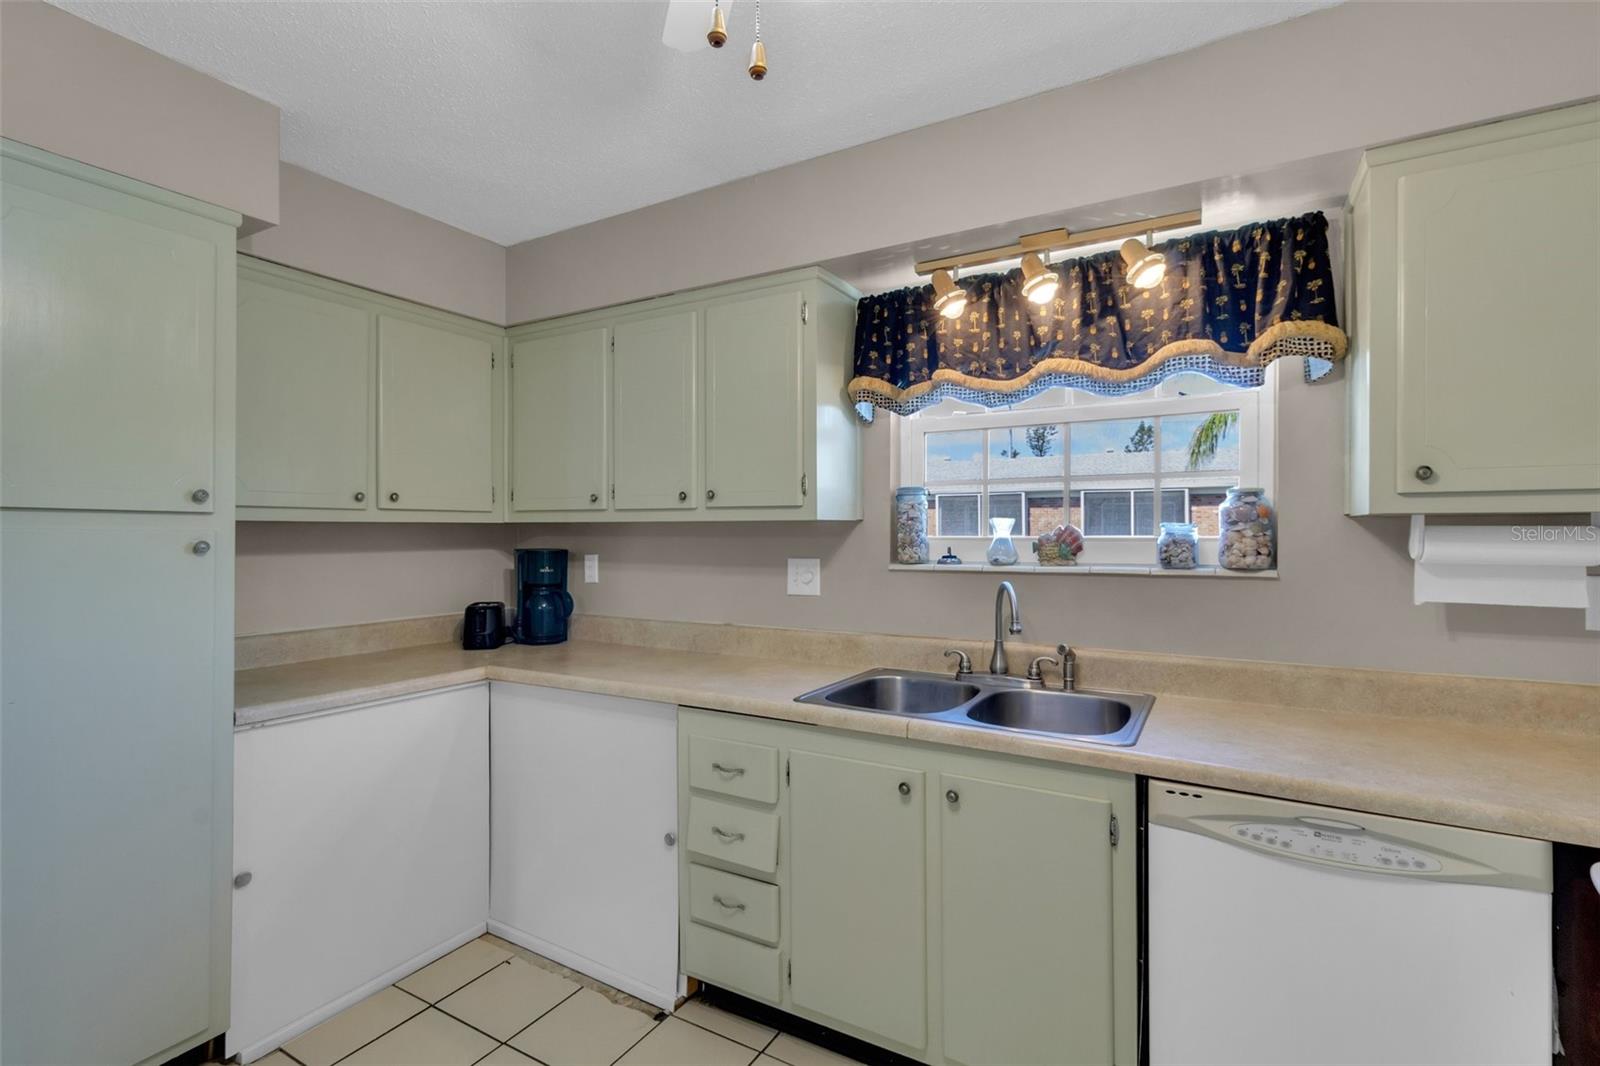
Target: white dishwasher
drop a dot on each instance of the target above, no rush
(1283, 933)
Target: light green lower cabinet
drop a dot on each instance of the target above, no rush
(857, 904)
(953, 906)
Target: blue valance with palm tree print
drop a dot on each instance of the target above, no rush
(1231, 302)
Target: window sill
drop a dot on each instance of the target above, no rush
(1088, 568)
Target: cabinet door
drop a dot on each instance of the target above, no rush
(654, 396)
(435, 418)
(754, 431)
(109, 324)
(584, 793)
(1499, 360)
(305, 384)
(115, 813)
(1026, 966)
(366, 836)
(558, 422)
(857, 906)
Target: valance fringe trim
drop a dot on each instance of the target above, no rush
(1313, 340)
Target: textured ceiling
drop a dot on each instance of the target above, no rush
(513, 120)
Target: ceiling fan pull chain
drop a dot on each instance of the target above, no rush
(758, 51)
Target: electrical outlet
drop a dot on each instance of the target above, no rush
(805, 577)
(591, 569)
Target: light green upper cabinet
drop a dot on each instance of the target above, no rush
(558, 431)
(435, 414)
(857, 904)
(723, 404)
(1027, 977)
(655, 387)
(1475, 362)
(348, 397)
(305, 382)
(110, 323)
(755, 430)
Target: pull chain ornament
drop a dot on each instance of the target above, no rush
(758, 51)
(717, 36)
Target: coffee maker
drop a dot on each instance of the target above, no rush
(543, 603)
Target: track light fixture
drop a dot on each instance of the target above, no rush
(1039, 282)
(1145, 268)
(949, 299)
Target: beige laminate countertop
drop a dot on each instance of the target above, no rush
(1489, 777)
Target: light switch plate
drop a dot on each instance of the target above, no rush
(591, 569)
(805, 577)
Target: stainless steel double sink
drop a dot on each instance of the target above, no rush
(991, 702)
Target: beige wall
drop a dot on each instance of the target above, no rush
(79, 91)
(302, 575)
(340, 232)
(1343, 597)
(1348, 77)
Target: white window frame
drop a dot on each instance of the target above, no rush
(1257, 456)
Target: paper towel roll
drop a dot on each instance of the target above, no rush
(1566, 546)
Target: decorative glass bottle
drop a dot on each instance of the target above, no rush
(1178, 548)
(1002, 550)
(911, 525)
(1247, 531)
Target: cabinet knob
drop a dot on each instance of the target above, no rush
(711, 494)
(394, 497)
(199, 495)
(594, 497)
(240, 880)
(1424, 473)
(953, 796)
(682, 496)
(905, 788)
(670, 839)
(361, 497)
(201, 547)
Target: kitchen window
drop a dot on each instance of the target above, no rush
(1115, 467)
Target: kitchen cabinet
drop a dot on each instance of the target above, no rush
(722, 404)
(558, 439)
(116, 600)
(755, 429)
(585, 867)
(363, 836)
(358, 407)
(1015, 988)
(857, 911)
(1475, 362)
(435, 412)
(655, 390)
(951, 906)
(305, 379)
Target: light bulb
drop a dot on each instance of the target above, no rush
(1145, 268)
(1039, 282)
(949, 299)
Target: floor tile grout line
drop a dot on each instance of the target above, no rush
(654, 1025)
(546, 1014)
(466, 1023)
(725, 1036)
(425, 1008)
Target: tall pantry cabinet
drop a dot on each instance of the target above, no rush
(116, 601)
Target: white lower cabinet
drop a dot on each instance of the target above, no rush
(584, 867)
(365, 837)
(955, 907)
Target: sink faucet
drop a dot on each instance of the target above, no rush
(997, 661)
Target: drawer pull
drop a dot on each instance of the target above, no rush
(725, 905)
(725, 836)
(728, 771)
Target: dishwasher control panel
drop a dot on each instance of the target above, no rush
(1332, 845)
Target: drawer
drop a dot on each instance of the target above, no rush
(734, 903)
(746, 771)
(732, 962)
(735, 835)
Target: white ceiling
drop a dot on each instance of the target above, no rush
(513, 120)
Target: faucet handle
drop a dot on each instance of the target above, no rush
(1034, 673)
(1069, 668)
(963, 664)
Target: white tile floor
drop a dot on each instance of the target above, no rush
(489, 1004)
